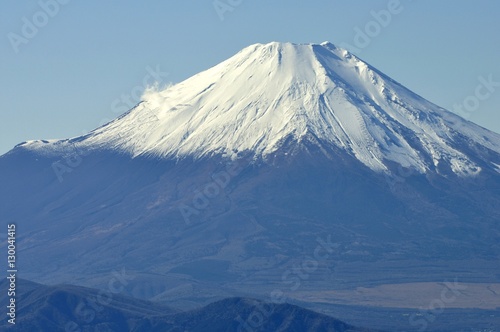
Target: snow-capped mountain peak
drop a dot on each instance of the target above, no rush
(268, 93)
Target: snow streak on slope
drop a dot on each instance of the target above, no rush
(269, 93)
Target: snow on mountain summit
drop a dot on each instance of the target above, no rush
(269, 93)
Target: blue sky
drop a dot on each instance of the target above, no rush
(84, 61)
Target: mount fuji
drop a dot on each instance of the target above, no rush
(297, 168)
(269, 94)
